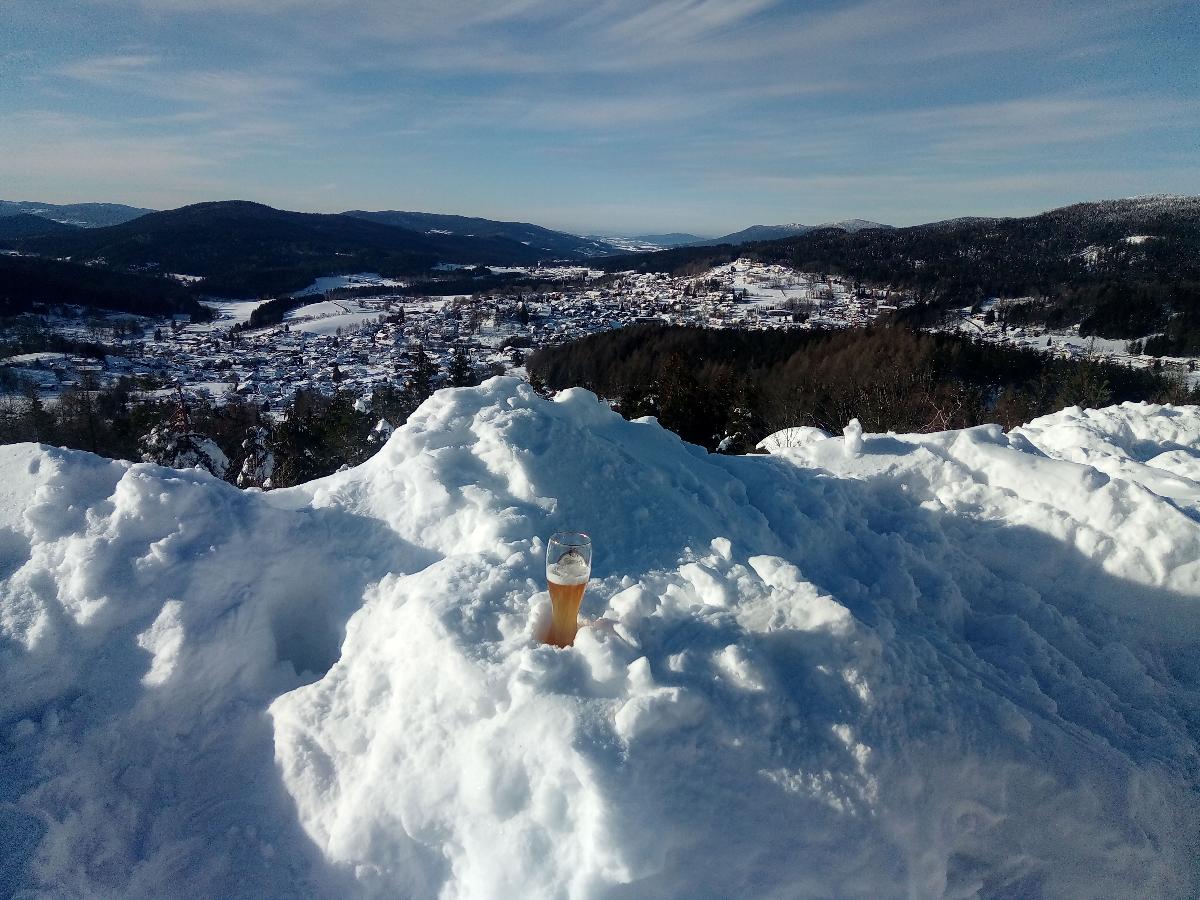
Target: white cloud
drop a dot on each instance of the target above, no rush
(685, 90)
(50, 153)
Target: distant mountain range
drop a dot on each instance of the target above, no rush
(241, 248)
(1134, 233)
(23, 218)
(645, 243)
(671, 239)
(81, 215)
(775, 232)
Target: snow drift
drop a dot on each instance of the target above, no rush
(960, 664)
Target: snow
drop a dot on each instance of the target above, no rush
(327, 316)
(946, 665)
(334, 282)
(43, 356)
(853, 438)
(229, 313)
(796, 436)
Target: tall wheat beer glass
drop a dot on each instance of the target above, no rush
(568, 568)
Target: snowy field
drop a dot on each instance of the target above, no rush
(949, 665)
(328, 316)
(333, 282)
(229, 313)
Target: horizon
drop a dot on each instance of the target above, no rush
(612, 234)
(682, 116)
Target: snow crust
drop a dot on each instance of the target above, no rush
(797, 436)
(949, 665)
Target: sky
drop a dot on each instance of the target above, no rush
(603, 116)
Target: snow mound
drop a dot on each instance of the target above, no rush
(952, 665)
(797, 436)
(1153, 445)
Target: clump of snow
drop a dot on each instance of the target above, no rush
(796, 436)
(853, 434)
(955, 664)
(168, 446)
(381, 432)
(258, 465)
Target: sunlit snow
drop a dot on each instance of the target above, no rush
(940, 665)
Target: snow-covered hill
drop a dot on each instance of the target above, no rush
(961, 664)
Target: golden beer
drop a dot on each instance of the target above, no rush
(568, 568)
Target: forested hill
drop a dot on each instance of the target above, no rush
(1156, 238)
(243, 248)
(1127, 268)
(550, 244)
(779, 232)
(26, 225)
(26, 281)
(81, 215)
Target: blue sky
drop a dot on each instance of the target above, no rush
(604, 115)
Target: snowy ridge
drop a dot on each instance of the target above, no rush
(940, 665)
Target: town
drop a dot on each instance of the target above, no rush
(360, 332)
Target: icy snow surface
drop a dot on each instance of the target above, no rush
(960, 664)
(786, 438)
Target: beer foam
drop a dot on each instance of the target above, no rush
(571, 568)
(558, 575)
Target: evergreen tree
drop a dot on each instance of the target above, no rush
(38, 422)
(258, 463)
(678, 400)
(461, 373)
(421, 377)
(177, 445)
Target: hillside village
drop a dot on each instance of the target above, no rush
(360, 332)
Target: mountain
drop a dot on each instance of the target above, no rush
(853, 225)
(242, 248)
(84, 215)
(24, 225)
(758, 233)
(1116, 268)
(29, 280)
(551, 244)
(880, 666)
(775, 232)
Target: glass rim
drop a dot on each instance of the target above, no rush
(571, 538)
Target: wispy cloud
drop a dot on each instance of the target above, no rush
(220, 90)
(109, 69)
(45, 149)
(525, 99)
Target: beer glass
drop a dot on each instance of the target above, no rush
(568, 567)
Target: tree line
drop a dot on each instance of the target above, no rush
(728, 388)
